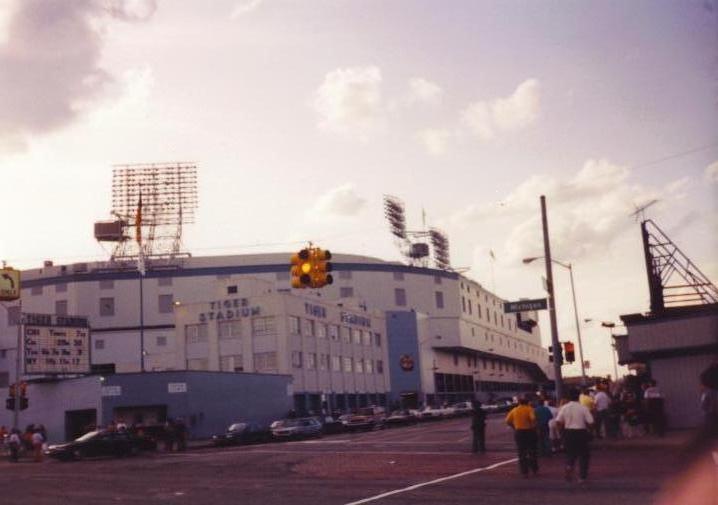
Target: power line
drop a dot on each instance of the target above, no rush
(676, 155)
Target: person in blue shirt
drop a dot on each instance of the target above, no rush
(543, 416)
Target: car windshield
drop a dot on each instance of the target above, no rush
(88, 436)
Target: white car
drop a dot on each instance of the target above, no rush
(462, 408)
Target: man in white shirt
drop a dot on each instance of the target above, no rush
(602, 402)
(575, 420)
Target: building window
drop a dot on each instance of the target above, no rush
(283, 276)
(333, 332)
(323, 361)
(161, 341)
(502, 320)
(308, 328)
(346, 334)
(195, 333)
(463, 304)
(165, 304)
(377, 339)
(469, 305)
(99, 344)
(496, 322)
(197, 364)
(321, 330)
(229, 329)
(107, 284)
(231, 290)
(61, 288)
(366, 337)
(510, 328)
(439, 297)
(400, 297)
(263, 326)
(346, 292)
(61, 307)
(345, 274)
(488, 315)
(356, 334)
(297, 359)
(369, 366)
(359, 365)
(398, 276)
(379, 366)
(478, 310)
(265, 361)
(36, 290)
(348, 364)
(107, 306)
(311, 360)
(336, 363)
(164, 281)
(294, 325)
(437, 279)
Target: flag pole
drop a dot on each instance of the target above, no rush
(141, 273)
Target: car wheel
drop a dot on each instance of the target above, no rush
(78, 454)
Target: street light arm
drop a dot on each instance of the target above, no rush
(531, 259)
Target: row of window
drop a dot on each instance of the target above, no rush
(498, 319)
(263, 362)
(103, 285)
(196, 333)
(312, 328)
(314, 361)
(473, 361)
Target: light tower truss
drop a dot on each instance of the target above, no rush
(150, 203)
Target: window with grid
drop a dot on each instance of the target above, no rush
(359, 365)
(345, 274)
(366, 337)
(195, 333)
(308, 327)
(377, 339)
(439, 297)
(161, 341)
(336, 363)
(61, 288)
(311, 360)
(99, 344)
(107, 306)
(356, 335)
(346, 292)
(61, 307)
(323, 361)
(400, 297)
(348, 364)
(369, 366)
(265, 361)
(379, 366)
(294, 327)
(263, 326)
(346, 334)
(333, 332)
(229, 329)
(297, 359)
(165, 304)
(321, 330)
(197, 364)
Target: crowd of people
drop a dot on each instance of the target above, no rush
(31, 441)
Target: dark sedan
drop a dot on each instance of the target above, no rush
(242, 433)
(101, 443)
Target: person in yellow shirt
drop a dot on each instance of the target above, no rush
(522, 419)
(586, 400)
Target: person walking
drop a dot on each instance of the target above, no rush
(653, 407)
(576, 421)
(522, 419)
(543, 417)
(478, 427)
(602, 402)
(37, 441)
(14, 442)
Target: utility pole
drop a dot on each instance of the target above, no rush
(578, 327)
(557, 361)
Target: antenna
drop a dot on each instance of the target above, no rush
(157, 199)
(640, 212)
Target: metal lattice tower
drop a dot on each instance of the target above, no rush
(673, 279)
(151, 203)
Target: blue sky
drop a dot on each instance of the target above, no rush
(303, 114)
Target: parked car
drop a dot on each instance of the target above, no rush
(400, 418)
(101, 443)
(430, 413)
(302, 427)
(242, 433)
(366, 418)
(462, 408)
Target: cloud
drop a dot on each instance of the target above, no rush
(50, 62)
(423, 91)
(245, 7)
(711, 173)
(518, 111)
(435, 140)
(349, 101)
(342, 201)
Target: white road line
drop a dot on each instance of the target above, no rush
(349, 453)
(435, 481)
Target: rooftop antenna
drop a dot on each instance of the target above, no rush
(640, 213)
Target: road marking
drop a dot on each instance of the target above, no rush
(435, 481)
(344, 453)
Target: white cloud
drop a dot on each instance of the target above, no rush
(245, 7)
(53, 51)
(423, 91)
(711, 172)
(342, 201)
(349, 101)
(435, 140)
(515, 112)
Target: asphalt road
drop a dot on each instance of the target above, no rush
(426, 464)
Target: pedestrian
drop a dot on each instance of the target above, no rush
(181, 434)
(37, 441)
(709, 399)
(575, 421)
(653, 408)
(169, 435)
(522, 419)
(478, 428)
(14, 442)
(543, 417)
(602, 402)
(554, 434)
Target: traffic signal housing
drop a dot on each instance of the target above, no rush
(569, 351)
(301, 269)
(310, 268)
(321, 266)
(560, 354)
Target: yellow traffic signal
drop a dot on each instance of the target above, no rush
(301, 269)
(321, 268)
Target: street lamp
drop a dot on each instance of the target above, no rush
(569, 267)
(610, 325)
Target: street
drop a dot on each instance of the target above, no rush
(426, 464)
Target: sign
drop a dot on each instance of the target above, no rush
(56, 344)
(525, 305)
(406, 362)
(9, 284)
(176, 387)
(234, 308)
(111, 391)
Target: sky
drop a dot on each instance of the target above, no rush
(302, 114)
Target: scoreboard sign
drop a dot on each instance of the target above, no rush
(56, 344)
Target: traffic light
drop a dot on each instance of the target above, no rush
(310, 268)
(560, 354)
(12, 391)
(321, 267)
(301, 269)
(10, 403)
(24, 403)
(570, 354)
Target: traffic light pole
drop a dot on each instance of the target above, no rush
(557, 361)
